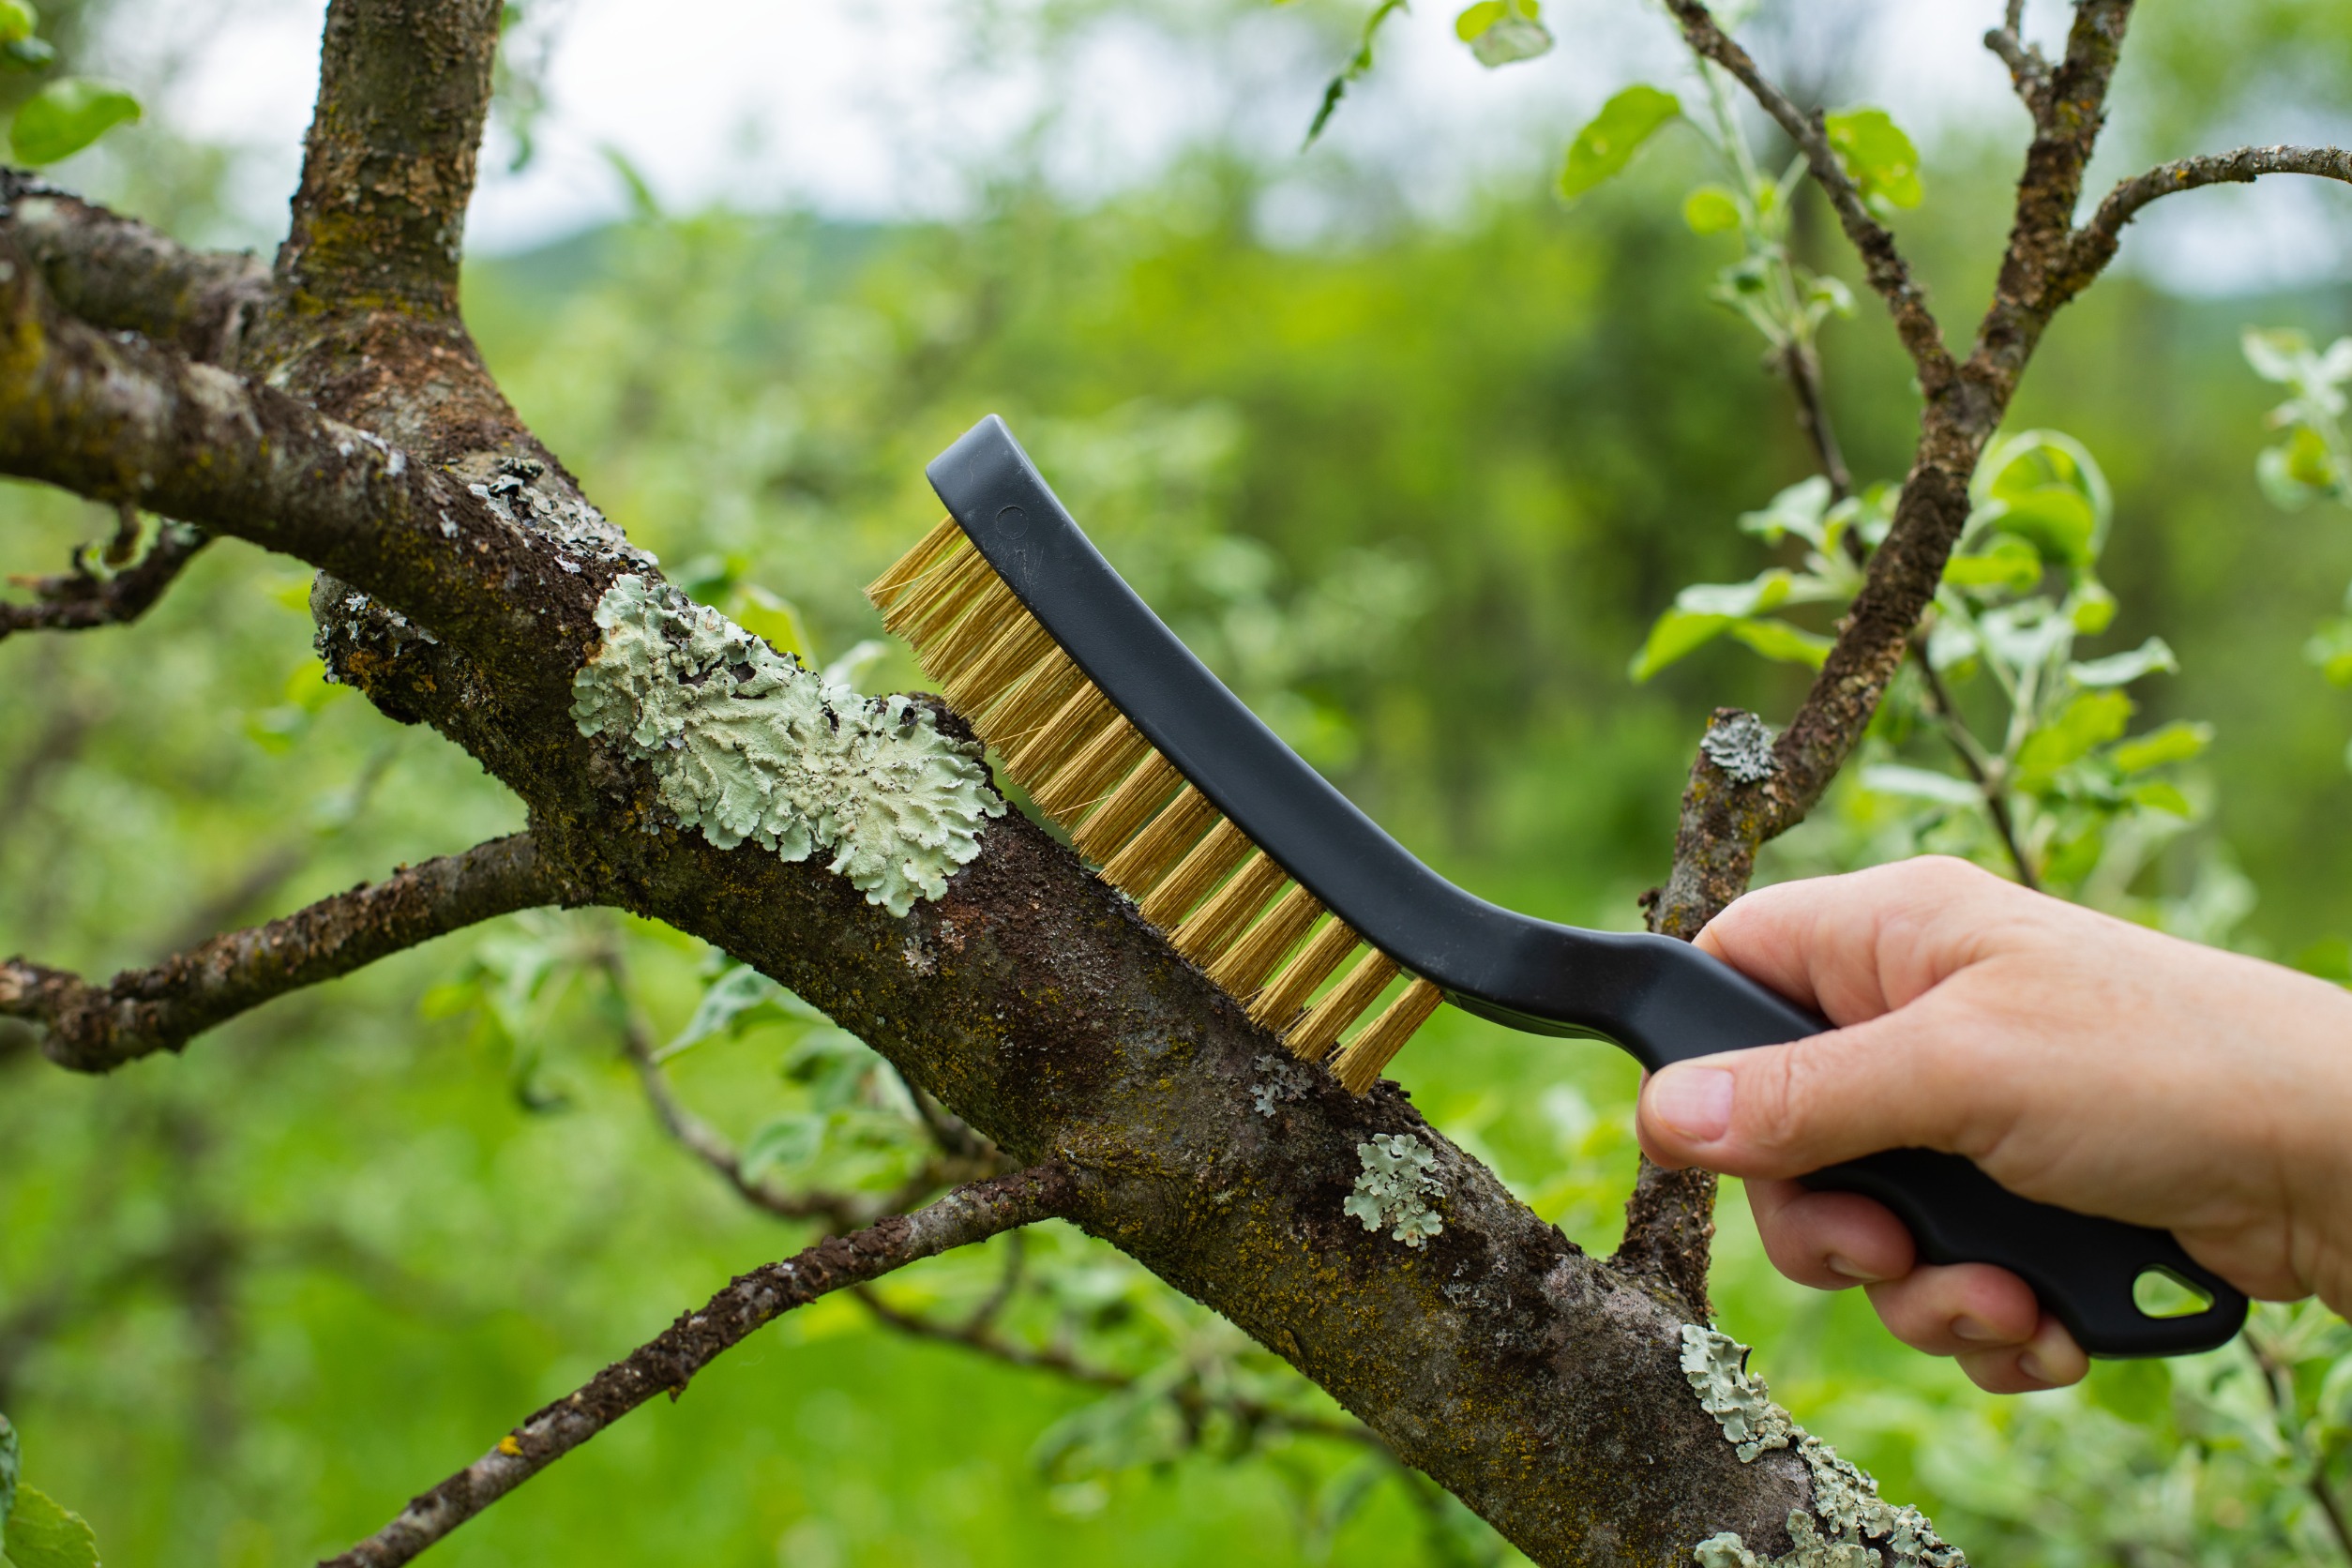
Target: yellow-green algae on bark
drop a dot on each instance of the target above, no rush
(745, 744)
(1863, 1530)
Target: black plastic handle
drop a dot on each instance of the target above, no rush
(1661, 999)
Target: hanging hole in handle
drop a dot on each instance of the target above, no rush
(2159, 1292)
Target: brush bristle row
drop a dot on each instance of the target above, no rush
(1225, 903)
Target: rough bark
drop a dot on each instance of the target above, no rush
(96, 1029)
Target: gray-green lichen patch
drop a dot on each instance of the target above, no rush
(1399, 1177)
(745, 744)
(1742, 745)
(1863, 1530)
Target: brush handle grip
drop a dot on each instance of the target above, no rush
(2082, 1268)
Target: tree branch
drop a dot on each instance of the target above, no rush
(842, 1211)
(83, 598)
(117, 273)
(1882, 263)
(94, 1029)
(2029, 70)
(124, 420)
(2094, 245)
(1190, 1398)
(668, 1363)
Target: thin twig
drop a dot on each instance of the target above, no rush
(668, 1363)
(1802, 367)
(85, 597)
(1882, 262)
(96, 1029)
(1188, 1397)
(839, 1212)
(2278, 1381)
(1963, 746)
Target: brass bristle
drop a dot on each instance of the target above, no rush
(1248, 961)
(1197, 872)
(1358, 1066)
(1031, 701)
(990, 610)
(933, 608)
(920, 591)
(1016, 651)
(1072, 726)
(1361, 986)
(1129, 807)
(914, 562)
(1279, 1003)
(1210, 929)
(1090, 768)
(1139, 867)
(1092, 774)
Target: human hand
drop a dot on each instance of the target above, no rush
(2077, 1059)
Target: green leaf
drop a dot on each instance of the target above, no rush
(41, 1534)
(67, 115)
(1893, 779)
(2330, 648)
(737, 1000)
(1767, 590)
(1503, 32)
(788, 1140)
(27, 55)
(2045, 488)
(16, 20)
(2162, 797)
(1800, 509)
(1358, 65)
(776, 619)
(2007, 562)
(2172, 743)
(1676, 633)
(2122, 669)
(1778, 640)
(1878, 157)
(1710, 210)
(2277, 354)
(1609, 139)
(1479, 18)
(2091, 720)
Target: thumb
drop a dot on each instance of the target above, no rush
(1900, 1081)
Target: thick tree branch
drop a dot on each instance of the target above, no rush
(95, 1028)
(668, 1363)
(2094, 245)
(1882, 263)
(86, 597)
(124, 420)
(117, 273)
(367, 323)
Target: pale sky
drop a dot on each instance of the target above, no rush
(888, 107)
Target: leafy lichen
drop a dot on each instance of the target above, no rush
(1398, 1177)
(1863, 1530)
(1742, 745)
(745, 744)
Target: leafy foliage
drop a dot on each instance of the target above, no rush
(66, 115)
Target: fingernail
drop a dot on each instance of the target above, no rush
(1845, 1268)
(2030, 1365)
(1695, 1102)
(1973, 1330)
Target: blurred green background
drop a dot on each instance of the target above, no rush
(1417, 488)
